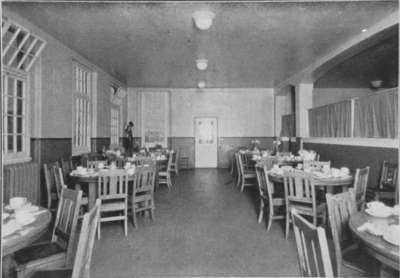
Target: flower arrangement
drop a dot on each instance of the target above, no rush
(276, 145)
(255, 143)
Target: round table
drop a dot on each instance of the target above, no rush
(91, 181)
(329, 183)
(376, 246)
(23, 238)
(28, 234)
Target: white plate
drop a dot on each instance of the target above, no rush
(381, 214)
(394, 241)
(10, 208)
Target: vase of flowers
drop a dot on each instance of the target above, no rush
(256, 144)
(276, 146)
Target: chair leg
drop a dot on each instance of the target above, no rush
(134, 220)
(126, 222)
(261, 213)
(242, 187)
(271, 214)
(98, 230)
(287, 225)
(169, 183)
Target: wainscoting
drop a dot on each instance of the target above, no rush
(355, 157)
(97, 143)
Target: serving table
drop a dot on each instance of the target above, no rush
(385, 252)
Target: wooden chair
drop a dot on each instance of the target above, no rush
(388, 187)
(83, 257)
(164, 173)
(340, 207)
(317, 165)
(238, 172)
(113, 193)
(248, 177)
(59, 251)
(174, 161)
(360, 186)
(300, 194)
(268, 196)
(67, 167)
(142, 195)
(312, 248)
(53, 189)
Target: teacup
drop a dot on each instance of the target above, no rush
(17, 202)
(100, 165)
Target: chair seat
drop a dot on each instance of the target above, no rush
(58, 273)
(112, 206)
(36, 252)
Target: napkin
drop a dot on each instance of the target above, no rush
(373, 228)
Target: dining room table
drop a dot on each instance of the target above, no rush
(330, 183)
(377, 245)
(89, 180)
(21, 235)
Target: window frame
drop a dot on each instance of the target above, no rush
(115, 126)
(83, 92)
(24, 155)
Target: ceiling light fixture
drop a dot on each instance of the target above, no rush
(201, 64)
(203, 19)
(201, 84)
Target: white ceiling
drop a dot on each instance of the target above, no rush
(249, 45)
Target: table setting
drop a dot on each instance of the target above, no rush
(21, 222)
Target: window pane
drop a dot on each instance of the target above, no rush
(10, 147)
(19, 143)
(10, 105)
(10, 124)
(19, 88)
(19, 125)
(10, 89)
(20, 104)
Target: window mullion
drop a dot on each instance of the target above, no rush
(15, 116)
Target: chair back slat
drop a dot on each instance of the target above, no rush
(340, 207)
(112, 185)
(389, 174)
(83, 258)
(299, 187)
(144, 179)
(241, 160)
(58, 178)
(312, 248)
(360, 186)
(65, 224)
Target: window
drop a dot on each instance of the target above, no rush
(82, 109)
(20, 47)
(15, 126)
(115, 126)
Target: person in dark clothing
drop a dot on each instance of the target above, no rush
(129, 138)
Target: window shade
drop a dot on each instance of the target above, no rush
(332, 120)
(376, 116)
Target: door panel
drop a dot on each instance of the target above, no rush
(206, 142)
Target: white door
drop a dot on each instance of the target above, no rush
(206, 142)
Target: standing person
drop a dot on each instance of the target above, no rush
(129, 138)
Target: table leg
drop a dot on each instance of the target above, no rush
(92, 194)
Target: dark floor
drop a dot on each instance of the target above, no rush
(204, 226)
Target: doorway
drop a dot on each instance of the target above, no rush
(206, 130)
